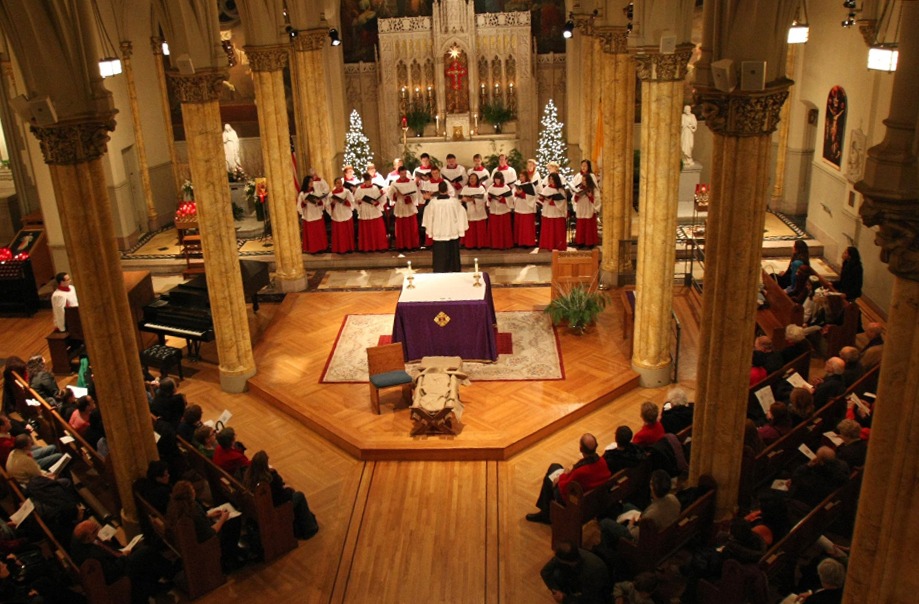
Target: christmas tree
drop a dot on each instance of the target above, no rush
(552, 145)
(357, 146)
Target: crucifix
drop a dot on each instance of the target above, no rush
(456, 72)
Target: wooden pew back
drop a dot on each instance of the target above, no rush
(782, 311)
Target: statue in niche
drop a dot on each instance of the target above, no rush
(455, 78)
(231, 148)
(687, 135)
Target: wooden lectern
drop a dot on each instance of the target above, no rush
(572, 268)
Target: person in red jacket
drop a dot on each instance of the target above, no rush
(590, 472)
(229, 454)
(653, 430)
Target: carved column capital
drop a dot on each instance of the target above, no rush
(898, 231)
(310, 39)
(156, 45)
(267, 58)
(127, 49)
(198, 87)
(613, 40)
(70, 143)
(651, 65)
(743, 113)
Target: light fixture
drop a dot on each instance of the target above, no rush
(850, 4)
(568, 31)
(291, 32)
(109, 65)
(333, 36)
(166, 49)
(799, 30)
(883, 58)
(849, 21)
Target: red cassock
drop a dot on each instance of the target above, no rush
(586, 231)
(500, 235)
(525, 230)
(553, 234)
(343, 236)
(407, 232)
(476, 234)
(315, 239)
(371, 235)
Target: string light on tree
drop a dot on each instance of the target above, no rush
(552, 146)
(357, 145)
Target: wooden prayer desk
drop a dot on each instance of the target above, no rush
(445, 315)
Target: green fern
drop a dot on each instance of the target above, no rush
(579, 307)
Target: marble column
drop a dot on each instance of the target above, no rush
(662, 77)
(882, 562)
(617, 89)
(157, 45)
(313, 107)
(777, 201)
(267, 64)
(140, 148)
(742, 124)
(73, 151)
(203, 130)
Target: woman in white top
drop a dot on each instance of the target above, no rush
(586, 206)
(554, 232)
(341, 209)
(403, 195)
(500, 205)
(473, 197)
(311, 204)
(525, 212)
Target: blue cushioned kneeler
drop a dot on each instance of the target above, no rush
(390, 378)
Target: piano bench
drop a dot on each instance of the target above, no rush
(163, 358)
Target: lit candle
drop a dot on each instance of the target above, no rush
(404, 122)
(476, 265)
(437, 123)
(403, 92)
(409, 266)
(475, 118)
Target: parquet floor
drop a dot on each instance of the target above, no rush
(400, 531)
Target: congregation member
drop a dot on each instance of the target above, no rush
(651, 430)
(505, 170)
(586, 206)
(770, 359)
(590, 472)
(500, 206)
(625, 454)
(677, 413)
(800, 405)
(800, 256)
(576, 575)
(404, 195)
(12, 365)
(853, 368)
(41, 380)
(851, 274)
(454, 173)
(259, 471)
(832, 384)
(445, 222)
(229, 454)
(663, 511)
(479, 169)
(64, 296)
(473, 198)
(191, 421)
(79, 419)
(22, 465)
(778, 423)
(813, 482)
(371, 235)
(184, 504)
(525, 212)
(854, 449)
(553, 232)
(311, 204)
(341, 210)
(168, 404)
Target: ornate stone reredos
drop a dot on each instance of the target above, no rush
(743, 113)
(198, 87)
(267, 58)
(651, 65)
(75, 142)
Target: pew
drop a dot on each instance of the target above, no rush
(800, 364)
(275, 524)
(568, 519)
(654, 546)
(200, 561)
(781, 311)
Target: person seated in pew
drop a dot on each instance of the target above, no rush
(652, 430)
(870, 344)
(21, 464)
(230, 455)
(853, 449)
(851, 274)
(861, 415)
(778, 424)
(758, 372)
(168, 404)
(832, 574)
(576, 575)
(771, 521)
(677, 413)
(305, 525)
(205, 441)
(765, 350)
(590, 472)
(41, 380)
(643, 589)
(853, 368)
(752, 443)
(79, 419)
(812, 482)
(832, 384)
(623, 453)
(44, 456)
(183, 503)
(800, 405)
(663, 511)
(800, 256)
(149, 572)
(795, 343)
(12, 365)
(191, 421)
(155, 487)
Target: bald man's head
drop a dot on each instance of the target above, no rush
(873, 330)
(835, 366)
(825, 454)
(849, 354)
(588, 444)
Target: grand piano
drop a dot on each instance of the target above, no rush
(185, 310)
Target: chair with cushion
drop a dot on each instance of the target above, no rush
(386, 367)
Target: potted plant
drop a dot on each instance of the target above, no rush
(497, 114)
(418, 117)
(579, 307)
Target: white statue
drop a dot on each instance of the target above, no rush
(231, 148)
(687, 134)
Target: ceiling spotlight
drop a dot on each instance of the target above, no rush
(291, 32)
(849, 21)
(333, 36)
(569, 29)
(848, 4)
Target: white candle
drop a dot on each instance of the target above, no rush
(410, 265)
(437, 123)
(476, 265)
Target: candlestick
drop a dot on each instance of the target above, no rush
(409, 265)
(476, 265)
(437, 123)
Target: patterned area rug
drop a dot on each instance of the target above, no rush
(536, 354)
(778, 227)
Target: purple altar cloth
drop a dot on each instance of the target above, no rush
(470, 332)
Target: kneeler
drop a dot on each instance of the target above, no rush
(436, 406)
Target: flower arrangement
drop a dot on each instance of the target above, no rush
(249, 191)
(417, 117)
(237, 175)
(188, 190)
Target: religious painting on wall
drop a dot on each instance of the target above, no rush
(834, 128)
(359, 23)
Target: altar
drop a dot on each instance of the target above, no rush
(445, 314)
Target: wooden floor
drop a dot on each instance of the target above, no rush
(402, 531)
(500, 418)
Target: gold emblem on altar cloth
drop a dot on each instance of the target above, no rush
(442, 319)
